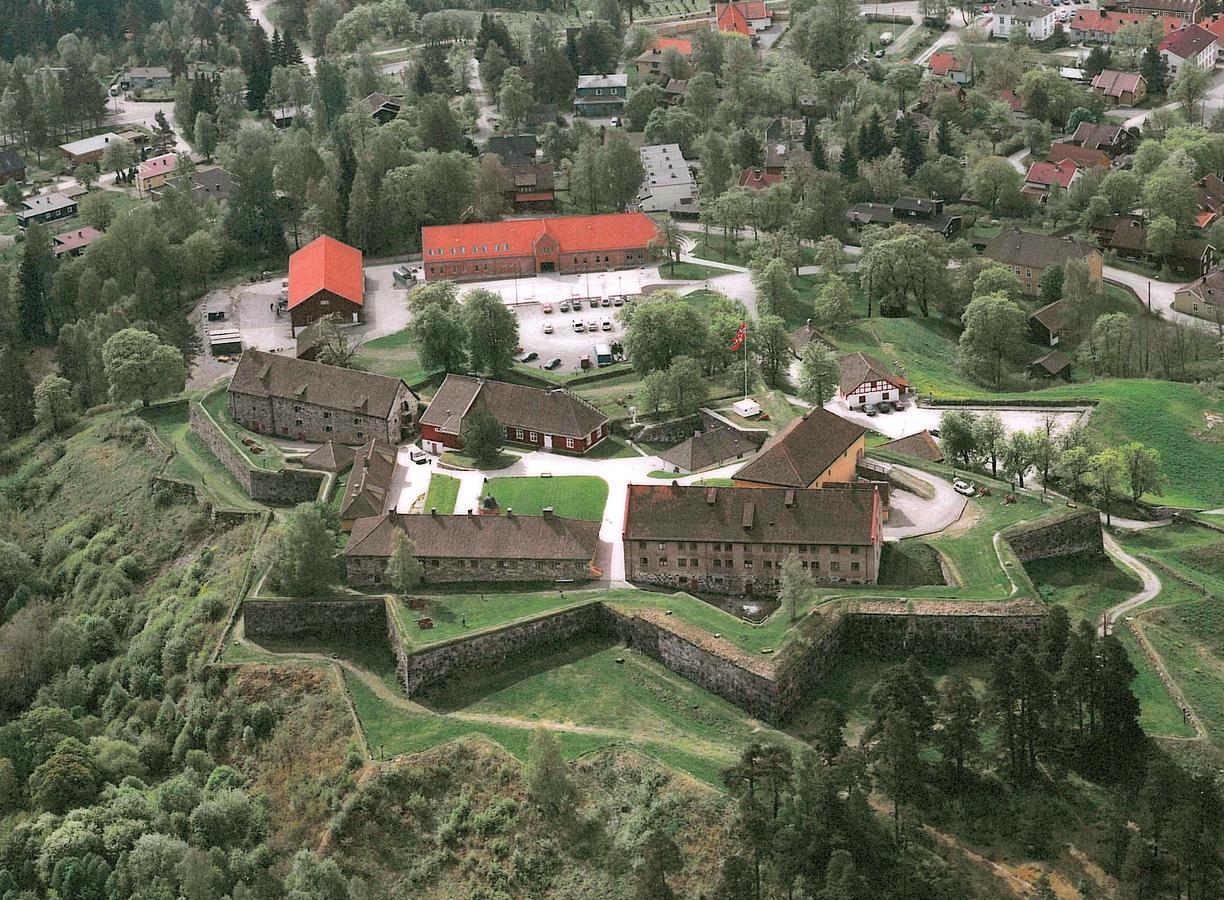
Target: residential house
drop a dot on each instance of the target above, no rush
(1189, 44)
(521, 247)
(651, 61)
(1191, 257)
(88, 150)
(284, 116)
(1031, 254)
(325, 278)
(946, 65)
(923, 212)
(865, 381)
(75, 242)
(1047, 324)
(309, 401)
(45, 208)
(1120, 88)
(213, 183)
(529, 187)
(817, 448)
(368, 492)
(513, 150)
(676, 90)
(780, 155)
(759, 179)
(1203, 298)
(1083, 157)
(746, 18)
(1210, 199)
(1112, 140)
(921, 445)
(735, 540)
(1043, 176)
(383, 107)
(154, 171)
(1054, 364)
(476, 549)
(1022, 15)
(12, 166)
(601, 96)
(715, 447)
(1071, 73)
(669, 185)
(1013, 101)
(142, 78)
(1185, 10)
(549, 419)
(1216, 26)
(1099, 26)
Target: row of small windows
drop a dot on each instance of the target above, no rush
(508, 565)
(476, 248)
(685, 562)
(766, 548)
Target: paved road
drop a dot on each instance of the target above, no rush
(1160, 294)
(911, 515)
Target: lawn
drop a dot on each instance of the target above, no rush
(1190, 638)
(461, 460)
(686, 271)
(192, 461)
(443, 491)
(572, 496)
(611, 447)
(269, 456)
(1196, 552)
(392, 355)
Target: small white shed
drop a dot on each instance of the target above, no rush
(746, 408)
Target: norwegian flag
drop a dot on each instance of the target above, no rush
(740, 336)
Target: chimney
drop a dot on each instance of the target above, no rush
(711, 494)
(790, 499)
(749, 515)
(433, 511)
(509, 513)
(469, 512)
(547, 512)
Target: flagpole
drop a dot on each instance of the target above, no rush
(745, 360)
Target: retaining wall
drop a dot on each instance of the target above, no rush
(285, 486)
(311, 618)
(1075, 531)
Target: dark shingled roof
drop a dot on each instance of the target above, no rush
(331, 457)
(514, 148)
(478, 537)
(263, 374)
(772, 515)
(548, 411)
(921, 445)
(1095, 137)
(1053, 362)
(710, 448)
(859, 367)
(803, 452)
(11, 162)
(1052, 316)
(370, 481)
(1023, 248)
(1211, 193)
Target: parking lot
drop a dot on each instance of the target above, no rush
(599, 326)
(914, 418)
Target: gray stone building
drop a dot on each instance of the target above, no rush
(734, 540)
(369, 484)
(472, 548)
(310, 401)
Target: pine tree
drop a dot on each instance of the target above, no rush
(848, 164)
(276, 50)
(290, 50)
(16, 395)
(1155, 70)
(943, 138)
(548, 783)
(258, 68)
(34, 283)
(819, 158)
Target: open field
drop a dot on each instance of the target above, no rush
(1189, 637)
(392, 355)
(572, 496)
(443, 491)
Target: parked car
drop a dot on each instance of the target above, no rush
(592, 325)
(618, 301)
(616, 122)
(578, 326)
(879, 54)
(884, 406)
(607, 325)
(564, 307)
(964, 487)
(553, 363)
(529, 357)
(548, 329)
(420, 457)
(605, 302)
(898, 405)
(577, 304)
(933, 432)
(547, 308)
(870, 409)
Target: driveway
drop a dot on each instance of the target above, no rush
(1157, 295)
(914, 418)
(911, 515)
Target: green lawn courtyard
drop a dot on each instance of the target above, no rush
(572, 496)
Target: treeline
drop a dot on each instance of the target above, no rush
(1051, 710)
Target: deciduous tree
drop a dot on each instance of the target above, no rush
(482, 436)
(140, 367)
(304, 562)
(492, 332)
(819, 371)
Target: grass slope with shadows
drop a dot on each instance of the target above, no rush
(192, 461)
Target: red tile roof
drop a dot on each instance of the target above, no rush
(681, 45)
(1110, 22)
(75, 240)
(732, 18)
(943, 63)
(1215, 26)
(1189, 42)
(326, 264)
(1009, 97)
(158, 165)
(1046, 173)
(1081, 156)
(489, 240)
(759, 179)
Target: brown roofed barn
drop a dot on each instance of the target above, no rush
(470, 548)
(369, 484)
(553, 419)
(310, 401)
(325, 278)
(817, 448)
(712, 448)
(734, 540)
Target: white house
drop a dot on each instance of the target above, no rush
(668, 185)
(1035, 18)
(1189, 44)
(865, 380)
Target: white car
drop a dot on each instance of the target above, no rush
(578, 326)
(548, 329)
(964, 487)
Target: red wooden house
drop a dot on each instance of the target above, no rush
(325, 277)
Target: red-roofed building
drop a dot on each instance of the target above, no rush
(1120, 88)
(1042, 177)
(154, 171)
(1100, 26)
(1215, 25)
(746, 18)
(522, 247)
(759, 179)
(1013, 100)
(945, 65)
(75, 242)
(1084, 157)
(325, 278)
(652, 59)
(1189, 44)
